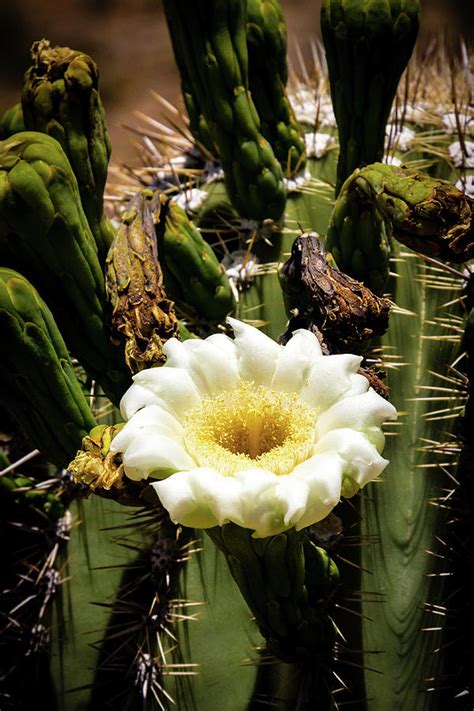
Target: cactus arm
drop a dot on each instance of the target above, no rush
(400, 516)
(268, 75)
(39, 386)
(44, 234)
(197, 122)
(61, 98)
(212, 37)
(368, 45)
(192, 274)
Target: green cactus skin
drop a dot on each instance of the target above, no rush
(11, 121)
(270, 574)
(358, 240)
(213, 47)
(287, 582)
(197, 122)
(268, 76)
(218, 636)
(38, 384)
(192, 275)
(379, 202)
(398, 521)
(60, 97)
(458, 539)
(45, 235)
(368, 44)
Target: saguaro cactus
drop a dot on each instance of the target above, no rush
(258, 442)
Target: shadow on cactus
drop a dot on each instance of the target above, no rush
(279, 278)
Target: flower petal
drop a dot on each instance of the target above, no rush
(257, 354)
(155, 455)
(176, 354)
(323, 475)
(211, 367)
(184, 501)
(154, 420)
(328, 379)
(202, 494)
(135, 398)
(211, 363)
(294, 362)
(363, 463)
(270, 503)
(347, 432)
(359, 384)
(174, 386)
(360, 412)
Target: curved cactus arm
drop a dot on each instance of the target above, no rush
(44, 234)
(381, 201)
(38, 383)
(61, 97)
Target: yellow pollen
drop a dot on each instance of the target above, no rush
(250, 426)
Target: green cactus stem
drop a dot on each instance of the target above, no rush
(268, 76)
(38, 383)
(368, 44)
(44, 234)
(288, 583)
(192, 275)
(61, 97)
(212, 45)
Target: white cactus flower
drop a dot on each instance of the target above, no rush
(248, 431)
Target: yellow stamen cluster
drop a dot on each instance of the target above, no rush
(250, 426)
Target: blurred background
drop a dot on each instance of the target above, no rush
(129, 41)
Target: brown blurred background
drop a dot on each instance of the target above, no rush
(129, 41)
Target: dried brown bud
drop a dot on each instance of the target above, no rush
(142, 314)
(342, 309)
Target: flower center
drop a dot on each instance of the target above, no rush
(251, 426)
